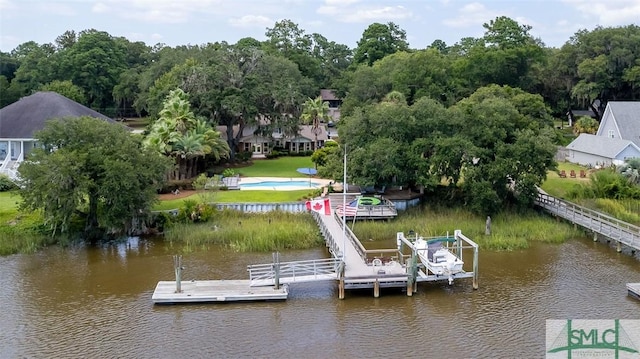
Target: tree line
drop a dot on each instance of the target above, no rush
(123, 78)
(476, 116)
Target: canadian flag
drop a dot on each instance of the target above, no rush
(320, 205)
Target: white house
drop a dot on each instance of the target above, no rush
(603, 151)
(617, 139)
(20, 120)
(621, 119)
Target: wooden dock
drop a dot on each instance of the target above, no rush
(621, 232)
(634, 290)
(351, 264)
(207, 291)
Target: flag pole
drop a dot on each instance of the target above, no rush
(344, 204)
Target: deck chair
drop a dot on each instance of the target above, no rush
(563, 174)
(572, 174)
(583, 174)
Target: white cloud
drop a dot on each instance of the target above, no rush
(610, 12)
(156, 11)
(251, 21)
(6, 5)
(99, 8)
(472, 14)
(353, 14)
(57, 8)
(340, 2)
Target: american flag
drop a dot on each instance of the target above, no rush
(350, 210)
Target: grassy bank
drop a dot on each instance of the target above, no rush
(19, 233)
(509, 231)
(275, 231)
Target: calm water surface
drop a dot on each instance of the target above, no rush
(96, 303)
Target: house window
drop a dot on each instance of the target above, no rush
(278, 130)
(611, 134)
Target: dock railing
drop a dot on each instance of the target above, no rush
(288, 272)
(613, 228)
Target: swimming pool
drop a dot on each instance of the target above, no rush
(280, 185)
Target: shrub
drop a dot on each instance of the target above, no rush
(229, 172)
(6, 184)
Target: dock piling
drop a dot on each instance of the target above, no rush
(276, 269)
(341, 283)
(475, 268)
(177, 266)
(376, 288)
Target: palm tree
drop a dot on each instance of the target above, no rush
(313, 112)
(178, 109)
(585, 124)
(179, 134)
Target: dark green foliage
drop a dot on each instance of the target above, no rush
(606, 183)
(93, 170)
(6, 184)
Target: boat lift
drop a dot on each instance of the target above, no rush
(418, 272)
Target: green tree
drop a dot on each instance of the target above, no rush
(66, 89)
(602, 64)
(37, 66)
(379, 40)
(585, 124)
(287, 39)
(179, 134)
(314, 112)
(91, 169)
(511, 146)
(95, 63)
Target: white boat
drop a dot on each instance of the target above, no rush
(439, 260)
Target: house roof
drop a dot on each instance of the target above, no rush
(626, 115)
(28, 115)
(306, 131)
(600, 145)
(328, 95)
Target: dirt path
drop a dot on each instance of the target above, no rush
(182, 194)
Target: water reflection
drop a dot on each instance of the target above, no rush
(96, 302)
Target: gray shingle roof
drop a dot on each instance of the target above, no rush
(627, 116)
(23, 118)
(599, 145)
(328, 95)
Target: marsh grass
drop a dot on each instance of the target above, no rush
(274, 231)
(509, 231)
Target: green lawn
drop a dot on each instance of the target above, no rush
(558, 186)
(236, 196)
(277, 167)
(8, 205)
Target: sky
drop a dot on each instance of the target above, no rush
(195, 22)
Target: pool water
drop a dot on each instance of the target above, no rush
(271, 184)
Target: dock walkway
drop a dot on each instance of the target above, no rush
(358, 272)
(215, 291)
(600, 223)
(351, 264)
(634, 290)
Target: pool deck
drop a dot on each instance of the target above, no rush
(244, 180)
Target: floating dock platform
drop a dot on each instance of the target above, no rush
(208, 291)
(634, 290)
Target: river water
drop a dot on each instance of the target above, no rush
(96, 303)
